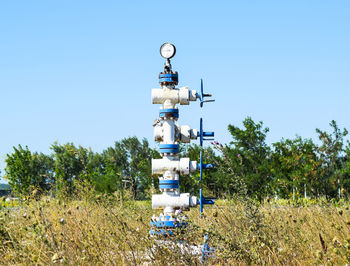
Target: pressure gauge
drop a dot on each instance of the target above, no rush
(167, 50)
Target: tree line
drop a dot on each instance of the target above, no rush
(294, 167)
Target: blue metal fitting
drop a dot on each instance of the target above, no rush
(163, 232)
(202, 133)
(168, 184)
(173, 112)
(164, 224)
(205, 166)
(208, 134)
(202, 95)
(165, 228)
(169, 148)
(169, 78)
(207, 251)
(168, 75)
(201, 166)
(204, 200)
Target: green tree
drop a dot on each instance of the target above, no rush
(345, 182)
(138, 167)
(247, 159)
(27, 171)
(114, 160)
(127, 165)
(332, 156)
(295, 165)
(74, 164)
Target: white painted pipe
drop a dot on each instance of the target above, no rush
(184, 166)
(158, 133)
(186, 133)
(168, 132)
(182, 96)
(183, 201)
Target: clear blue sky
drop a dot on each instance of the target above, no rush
(82, 71)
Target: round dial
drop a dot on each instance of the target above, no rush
(167, 50)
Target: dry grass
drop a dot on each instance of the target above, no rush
(108, 230)
(274, 234)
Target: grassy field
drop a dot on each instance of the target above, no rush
(101, 230)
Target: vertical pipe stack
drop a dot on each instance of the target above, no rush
(169, 169)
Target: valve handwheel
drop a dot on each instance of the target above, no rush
(202, 95)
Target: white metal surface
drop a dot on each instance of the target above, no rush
(166, 131)
(183, 201)
(184, 166)
(187, 134)
(171, 96)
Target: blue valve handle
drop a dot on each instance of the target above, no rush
(202, 95)
(203, 166)
(203, 134)
(204, 200)
(207, 251)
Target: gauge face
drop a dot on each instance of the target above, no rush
(167, 50)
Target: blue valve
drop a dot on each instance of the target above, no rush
(203, 95)
(202, 166)
(207, 251)
(204, 200)
(202, 134)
